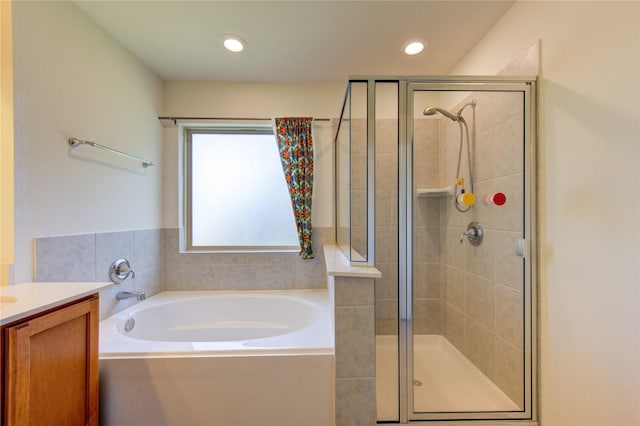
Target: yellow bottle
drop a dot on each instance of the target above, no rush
(464, 198)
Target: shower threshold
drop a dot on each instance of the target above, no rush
(444, 380)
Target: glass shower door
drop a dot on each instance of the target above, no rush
(469, 222)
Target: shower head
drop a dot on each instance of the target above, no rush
(434, 110)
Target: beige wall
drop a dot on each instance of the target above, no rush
(589, 189)
(72, 79)
(6, 147)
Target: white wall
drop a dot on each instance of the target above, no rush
(72, 79)
(254, 100)
(589, 186)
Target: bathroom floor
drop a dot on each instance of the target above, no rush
(444, 380)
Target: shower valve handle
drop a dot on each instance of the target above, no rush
(474, 234)
(469, 234)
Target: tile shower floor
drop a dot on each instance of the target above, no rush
(445, 380)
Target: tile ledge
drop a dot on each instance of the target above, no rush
(338, 265)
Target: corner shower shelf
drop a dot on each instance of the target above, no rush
(436, 192)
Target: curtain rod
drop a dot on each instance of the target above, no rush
(175, 119)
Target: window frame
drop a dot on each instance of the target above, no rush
(187, 199)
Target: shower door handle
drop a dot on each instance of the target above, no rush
(521, 248)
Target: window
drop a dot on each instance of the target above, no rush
(236, 194)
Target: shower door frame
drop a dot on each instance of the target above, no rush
(407, 87)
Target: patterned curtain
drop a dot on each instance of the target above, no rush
(295, 144)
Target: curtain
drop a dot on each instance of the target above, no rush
(295, 144)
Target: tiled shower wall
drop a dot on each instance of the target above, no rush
(358, 181)
(428, 289)
(386, 287)
(386, 213)
(472, 295)
(484, 284)
(159, 266)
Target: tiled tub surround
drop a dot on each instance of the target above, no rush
(87, 257)
(354, 295)
(355, 351)
(158, 264)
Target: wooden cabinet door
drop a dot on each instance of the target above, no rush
(52, 368)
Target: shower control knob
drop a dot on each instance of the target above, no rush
(474, 234)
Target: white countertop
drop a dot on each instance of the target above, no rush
(19, 301)
(338, 265)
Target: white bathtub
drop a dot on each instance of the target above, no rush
(219, 358)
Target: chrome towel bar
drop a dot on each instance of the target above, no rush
(75, 142)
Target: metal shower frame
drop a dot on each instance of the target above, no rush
(407, 85)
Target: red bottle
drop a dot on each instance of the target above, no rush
(497, 199)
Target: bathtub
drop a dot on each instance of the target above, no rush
(219, 358)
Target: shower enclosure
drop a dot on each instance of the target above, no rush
(435, 188)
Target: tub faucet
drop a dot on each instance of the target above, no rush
(121, 295)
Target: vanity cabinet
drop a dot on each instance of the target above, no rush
(50, 367)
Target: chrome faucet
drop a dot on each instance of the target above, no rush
(122, 295)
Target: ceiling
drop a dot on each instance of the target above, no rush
(295, 41)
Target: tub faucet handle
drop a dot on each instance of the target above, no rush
(120, 270)
(132, 273)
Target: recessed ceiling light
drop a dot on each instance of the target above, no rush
(413, 47)
(233, 43)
